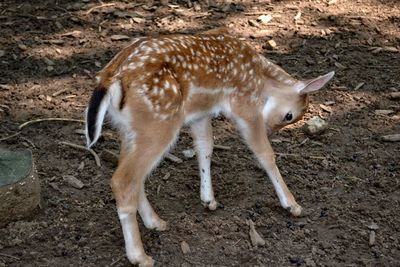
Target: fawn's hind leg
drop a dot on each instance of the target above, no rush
(202, 135)
(137, 160)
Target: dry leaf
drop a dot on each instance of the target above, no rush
(340, 66)
(119, 37)
(359, 86)
(75, 34)
(329, 103)
(391, 138)
(325, 108)
(391, 49)
(383, 112)
(255, 238)
(377, 50)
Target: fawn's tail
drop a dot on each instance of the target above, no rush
(95, 113)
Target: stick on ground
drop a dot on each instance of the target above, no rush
(10, 136)
(100, 6)
(96, 157)
(47, 119)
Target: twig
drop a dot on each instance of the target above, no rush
(173, 158)
(96, 157)
(10, 256)
(47, 119)
(116, 261)
(255, 13)
(287, 154)
(59, 92)
(29, 141)
(10, 136)
(317, 157)
(100, 6)
(222, 147)
(111, 153)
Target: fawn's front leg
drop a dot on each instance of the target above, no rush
(255, 133)
(202, 135)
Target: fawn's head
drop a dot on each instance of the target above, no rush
(289, 102)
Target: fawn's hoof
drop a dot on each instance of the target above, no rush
(162, 226)
(211, 205)
(296, 210)
(143, 261)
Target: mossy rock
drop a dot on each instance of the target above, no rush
(19, 185)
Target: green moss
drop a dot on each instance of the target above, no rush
(14, 166)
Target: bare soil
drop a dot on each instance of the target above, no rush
(347, 178)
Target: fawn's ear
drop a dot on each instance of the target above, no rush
(313, 85)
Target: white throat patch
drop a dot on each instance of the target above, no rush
(269, 106)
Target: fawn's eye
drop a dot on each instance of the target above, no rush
(288, 116)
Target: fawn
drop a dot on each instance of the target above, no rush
(156, 85)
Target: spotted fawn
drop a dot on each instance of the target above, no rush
(156, 85)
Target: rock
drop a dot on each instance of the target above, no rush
(264, 19)
(188, 153)
(373, 226)
(73, 181)
(22, 47)
(391, 138)
(2, 53)
(271, 44)
(185, 247)
(372, 237)
(255, 238)
(48, 61)
(19, 185)
(394, 95)
(315, 126)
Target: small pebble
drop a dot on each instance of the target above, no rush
(73, 181)
(185, 247)
(372, 237)
(315, 125)
(373, 226)
(188, 153)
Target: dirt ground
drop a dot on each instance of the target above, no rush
(347, 178)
